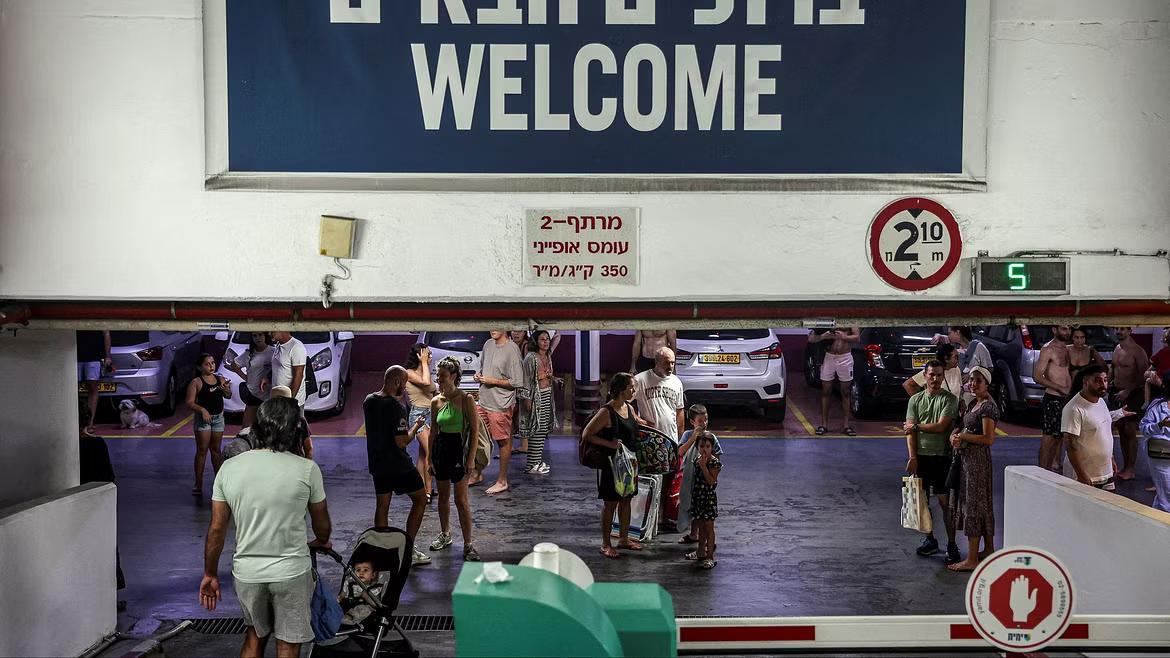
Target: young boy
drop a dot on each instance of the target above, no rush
(698, 418)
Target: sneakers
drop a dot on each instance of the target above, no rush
(929, 546)
(470, 554)
(540, 469)
(420, 558)
(953, 556)
(442, 541)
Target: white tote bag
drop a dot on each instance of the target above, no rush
(915, 506)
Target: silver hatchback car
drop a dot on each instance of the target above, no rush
(151, 367)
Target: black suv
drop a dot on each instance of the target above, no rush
(882, 361)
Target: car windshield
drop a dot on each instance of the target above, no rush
(724, 334)
(1096, 335)
(306, 337)
(458, 341)
(128, 338)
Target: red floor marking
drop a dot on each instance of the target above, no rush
(748, 634)
(968, 632)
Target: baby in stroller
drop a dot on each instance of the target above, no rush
(360, 593)
(370, 588)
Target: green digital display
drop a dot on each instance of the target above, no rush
(1022, 276)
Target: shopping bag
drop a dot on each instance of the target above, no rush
(625, 471)
(915, 509)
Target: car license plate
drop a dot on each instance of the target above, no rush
(920, 360)
(103, 387)
(732, 359)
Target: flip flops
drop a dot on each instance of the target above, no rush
(610, 552)
(687, 539)
(821, 430)
(849, 431)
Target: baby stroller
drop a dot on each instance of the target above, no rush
(390, 551)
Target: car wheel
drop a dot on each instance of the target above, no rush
(775, 411)
(339, 406)
(171, 396)
(1002, 399)
(811, 371)
(859, 406)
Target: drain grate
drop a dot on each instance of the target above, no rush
(426, 622)
(235, 625)
(219, 626)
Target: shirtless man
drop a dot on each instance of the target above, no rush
(838, 364)
(1129, 377)
(646, 345)
(1051, 372)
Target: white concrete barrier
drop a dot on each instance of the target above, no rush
(58, 591)
(1115, 549)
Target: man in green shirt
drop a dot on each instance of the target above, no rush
(929, 417)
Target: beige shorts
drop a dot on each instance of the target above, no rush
(280, 608)
(837, 366)
(499, 423)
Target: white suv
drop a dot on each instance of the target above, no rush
(466, 347)
(329, 355)
(734, 367)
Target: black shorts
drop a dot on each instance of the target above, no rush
(247, 398)
(1051, 409)
(932, 470)
(643, 364)
(397, 479)
(447, 457)
(1135, 403)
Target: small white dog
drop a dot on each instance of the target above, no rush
(132, 418)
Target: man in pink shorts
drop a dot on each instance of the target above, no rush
(499, 373)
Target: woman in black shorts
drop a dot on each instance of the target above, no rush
(456, 420)
(615, 421)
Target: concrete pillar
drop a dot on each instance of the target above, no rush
(57, 539)
(587, 385)
(38, 414)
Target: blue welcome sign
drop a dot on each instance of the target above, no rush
(606, 88)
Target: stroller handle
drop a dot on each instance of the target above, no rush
(314, 550)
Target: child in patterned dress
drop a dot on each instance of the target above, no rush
(704, 502)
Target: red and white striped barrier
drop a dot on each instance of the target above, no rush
(735, 634)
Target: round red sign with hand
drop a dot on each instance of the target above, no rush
(1020, 599)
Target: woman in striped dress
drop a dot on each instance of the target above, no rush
(537, 400)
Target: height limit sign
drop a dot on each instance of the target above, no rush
(914, 244)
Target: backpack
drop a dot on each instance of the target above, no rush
(483, 449)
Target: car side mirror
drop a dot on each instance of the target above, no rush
(343, 336)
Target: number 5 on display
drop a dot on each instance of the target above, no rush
(1016, 275)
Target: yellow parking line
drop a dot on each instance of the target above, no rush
(177, 427)
(1000, 432)
(361, 430)
(801, 417)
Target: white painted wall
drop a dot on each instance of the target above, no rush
(102, 164)
(38, 414)
(1114, 548)
(58, 591)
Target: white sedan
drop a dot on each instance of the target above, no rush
(734, 367)
(329, 356)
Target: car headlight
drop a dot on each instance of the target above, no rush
(322, 359)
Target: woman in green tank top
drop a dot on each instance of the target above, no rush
(452, 457)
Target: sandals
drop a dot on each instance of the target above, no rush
(821, 430)
(610, 552)
(693, 555)
(849, 431)
(631, 545)
(707, 563)
(687, 539)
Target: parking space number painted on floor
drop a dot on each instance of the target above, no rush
(914, 244)
(1020, 599)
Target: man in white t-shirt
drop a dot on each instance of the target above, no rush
(1086, 425)
(266, 492)
(659, 396)
(289, 360)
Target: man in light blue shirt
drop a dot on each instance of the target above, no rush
(1155, 426)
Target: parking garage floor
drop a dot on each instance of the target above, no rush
(807, 526)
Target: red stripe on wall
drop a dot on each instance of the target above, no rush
(748, 634)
